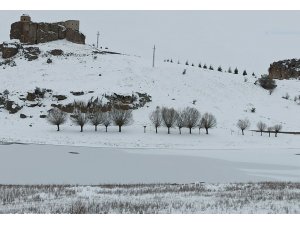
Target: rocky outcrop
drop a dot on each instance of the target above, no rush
(33, 33)
(9, 50)
(285, 69)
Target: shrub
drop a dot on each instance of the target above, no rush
(267, 83)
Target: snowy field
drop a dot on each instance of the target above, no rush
(265, 197)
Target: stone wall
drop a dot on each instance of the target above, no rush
(33, 33)
(285, 69)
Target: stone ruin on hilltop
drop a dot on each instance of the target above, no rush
(28, 32)
(33, 33)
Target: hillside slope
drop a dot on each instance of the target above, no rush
(228, 96)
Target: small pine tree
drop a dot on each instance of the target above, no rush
(168, 60)
(187, 63)
(236, 71)
(220, 69)
(244, 73)
(171, 61)
(211, 67)
(229, 70)
(200, 66)
(253, 74)
(184, 71)
(178, 62)
(192, 64)
(205, 66)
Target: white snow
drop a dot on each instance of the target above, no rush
(225, 95)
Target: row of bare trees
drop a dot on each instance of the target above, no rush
(188, 117)
(96, 116)
(244, 124)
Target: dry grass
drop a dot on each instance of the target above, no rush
(264, 197)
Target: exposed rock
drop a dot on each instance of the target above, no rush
(31, 53)
(60, 97)
(23, 116)
(77, 93)
(9, 49)
(43, 116)
(56, 52)
(49, 61)
(285, 69)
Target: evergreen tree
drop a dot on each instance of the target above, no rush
(200, 66)
(236, 71)
(244, 73)
(211, 67)
(229, 70)
(205, 66)
(187, 63)
(192, 64)
(220, 69)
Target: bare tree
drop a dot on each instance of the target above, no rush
(191, 117)
(80, 118)
(201, 124)
(169, 117)
(106, 120)
(261, 127)
(156, 118)
(243, 125)
(96, 117)
(56, 117)
(208, 121)
(180, 120)
(270, 129)
(121, 117)
(277, 128)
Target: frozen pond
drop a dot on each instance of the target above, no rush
(46, 164)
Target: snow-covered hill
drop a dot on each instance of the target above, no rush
(228, 96)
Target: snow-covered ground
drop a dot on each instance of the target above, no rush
(229, 97)
(265, 197)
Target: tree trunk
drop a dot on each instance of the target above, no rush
(242, 132)
(81, 128)
(269, 134)
(155, 129)
(190, 130)
(179, 130)
(168, 130)
(119, 128)
(95, 127)
(105, 128)
(261, 133)
(206, 130)
(275, 134)
(199, 130)
(57, 127)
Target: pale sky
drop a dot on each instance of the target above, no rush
(250, 40)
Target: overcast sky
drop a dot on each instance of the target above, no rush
(248, 39)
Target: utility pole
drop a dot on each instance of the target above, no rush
(98, 38)
(153, 56)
